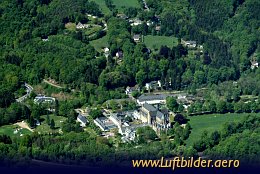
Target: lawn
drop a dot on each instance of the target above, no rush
(9, 130)
(93, 29)
(126, 3)
(70, 26)
(155, 42)
(102, 6)
(45, 128)
(210, 123)
(100, 43)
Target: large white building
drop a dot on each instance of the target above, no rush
(43, 99)
(152, 99)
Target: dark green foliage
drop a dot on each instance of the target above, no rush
(211, 14)
(172, 103)
(52, 124)
(5, 139)
(145, 134)
(95, 113)
(13, 113)
(179, 118)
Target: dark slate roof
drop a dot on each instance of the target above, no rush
(165, 111)
(150, 108)
(137, 36)
(160, 115)
(98, 120)
(152, 97)
(82, 118)
(191, 42)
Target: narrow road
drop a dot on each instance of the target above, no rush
(146, 6)
(29, 89)
(57, 86)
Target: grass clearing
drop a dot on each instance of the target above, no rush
(126, 3)
(93, 29)
(155, 42)
(100, 43)
(103, 6)
(49, 90)
(70, 26)
(45, 128)
(10, 131)
(210, 123)
(90, 131)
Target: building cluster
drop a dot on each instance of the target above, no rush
(150, 113)
(43, 99)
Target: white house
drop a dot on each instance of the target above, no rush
(153, 85)
(119, 54)
(43, 99)
(136, 22)
(137, 37)
(189, 44)
(254, 64)
(152, 99)
(81, 26)
(83, 120)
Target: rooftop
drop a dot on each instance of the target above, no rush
(136, 37)
(160, 115)
(149, 107)
(152, 97)
(82, 118)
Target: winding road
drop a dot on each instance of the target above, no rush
(29, 89)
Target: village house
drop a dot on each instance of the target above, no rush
(129, 90)
(149, 23)
(45, 39)
(119, 54)
(81, 26)
(153, 85)
(254, 64)
(122, 16)
(104, 123)
(158, 28)
(137, 37)
(82, 120)
(135, 22)
(189, 44)
(106, 52)
(130, 133)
